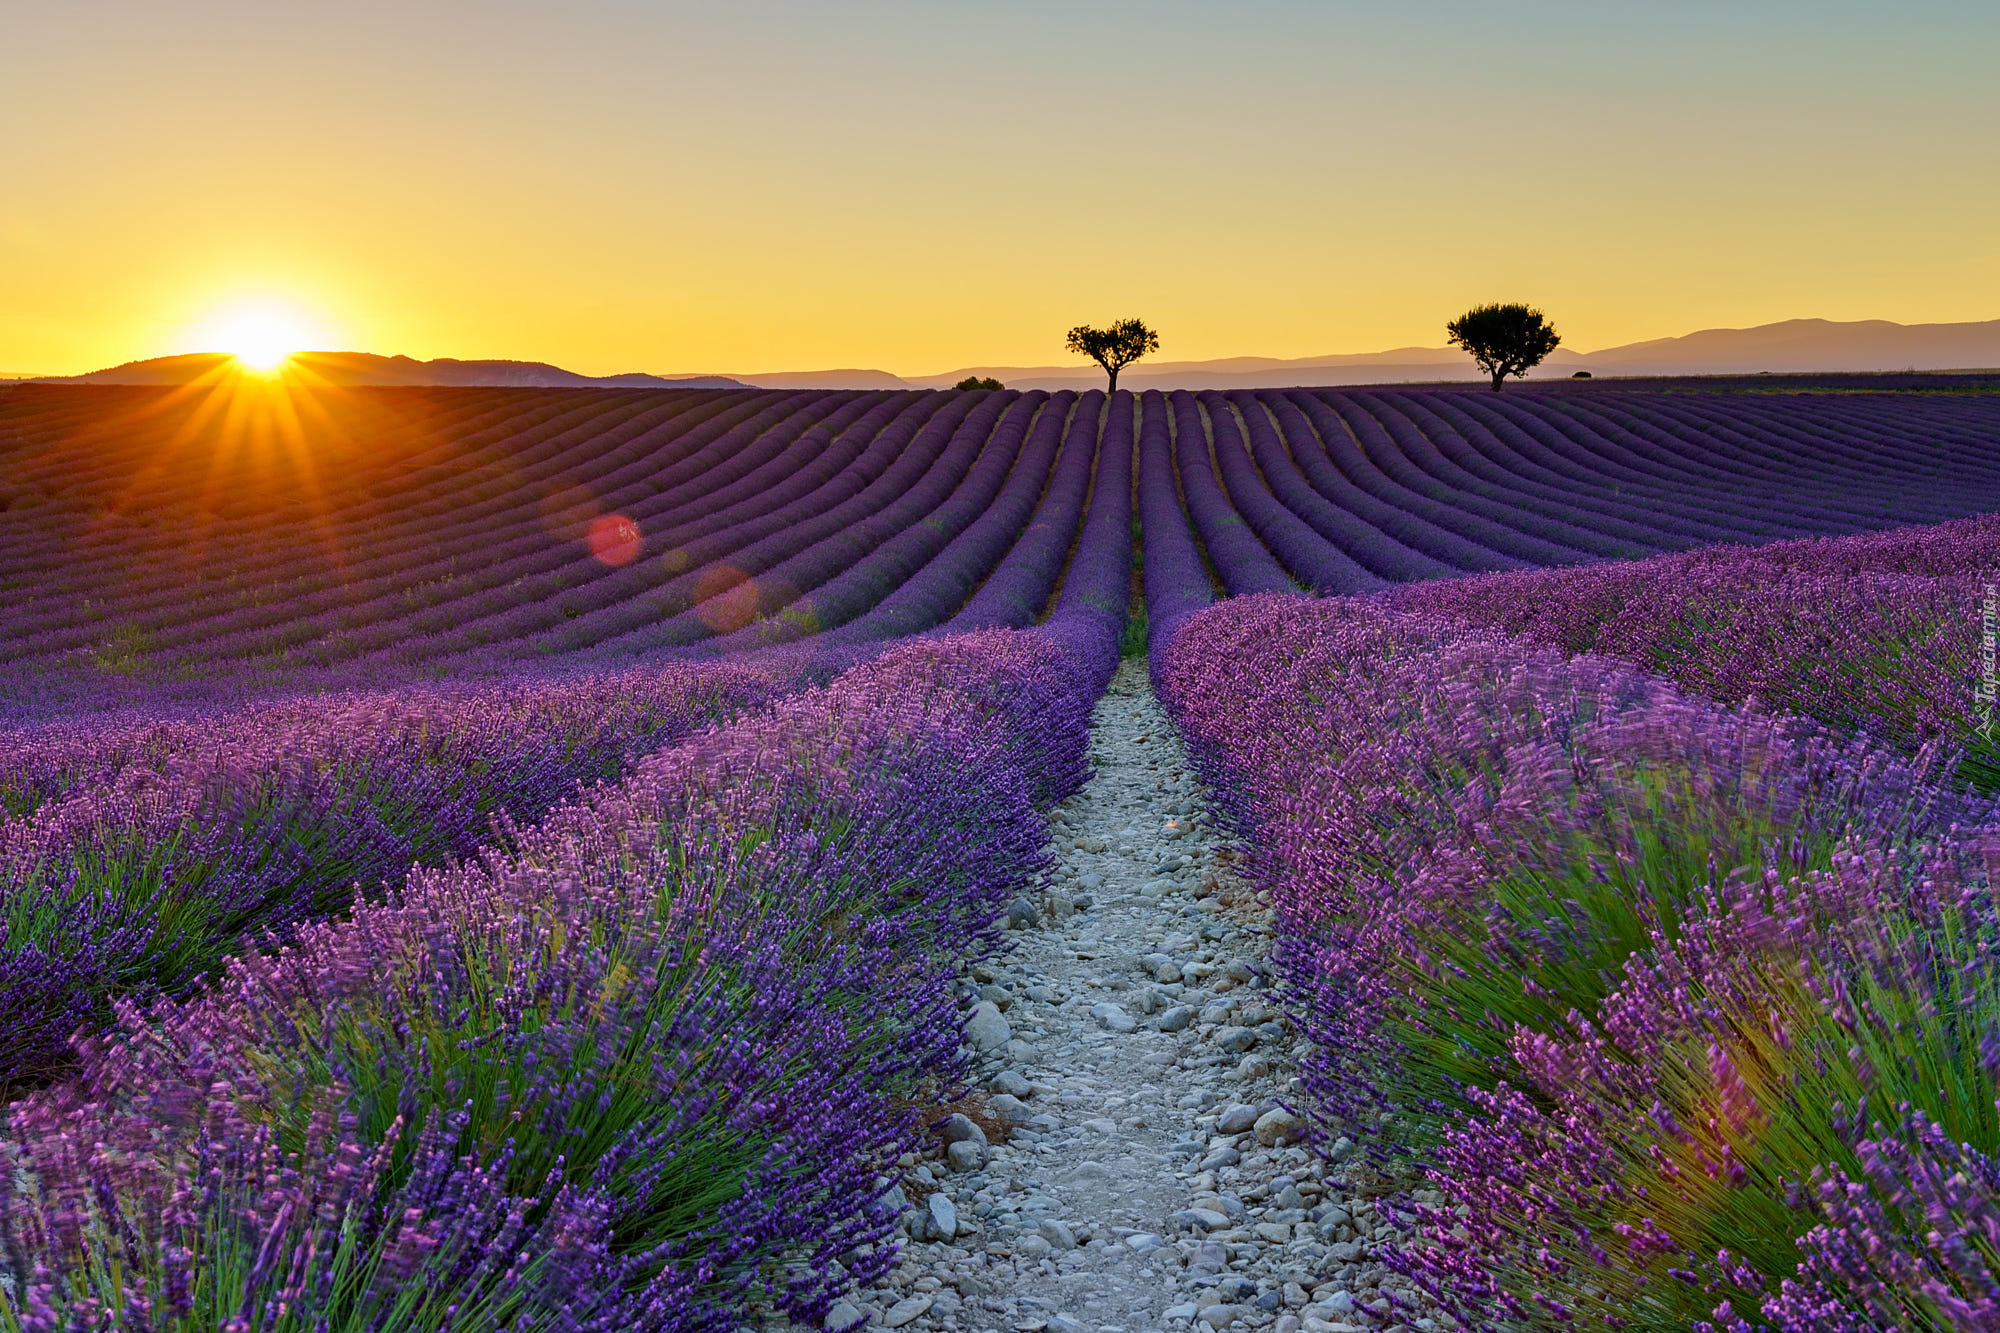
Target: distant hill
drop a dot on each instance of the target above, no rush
(1794, 346)
(837, 379)
(350, 368)
(1808, 345)
(1236, 372)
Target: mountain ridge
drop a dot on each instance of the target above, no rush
(1788, 346)
(372, 368)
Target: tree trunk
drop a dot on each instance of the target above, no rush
(1114, 378)
(1498, 375)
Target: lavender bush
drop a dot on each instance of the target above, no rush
(140, 853)
(1878, 633)
(653, 1043)
(1640, 985)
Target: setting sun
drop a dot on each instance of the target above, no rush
(263, 343)
(261, 338)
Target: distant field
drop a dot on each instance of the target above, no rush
(166, 538)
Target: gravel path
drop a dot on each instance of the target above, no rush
(1127, 1165)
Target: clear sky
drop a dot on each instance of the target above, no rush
(786, 184)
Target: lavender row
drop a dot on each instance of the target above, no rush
(1358, 489)
(1307, 424)
(408, 552)
(1684, 1013)
(1410, 460)
(1176, 579)
(1240, 560)
(1598, 464)
(1878, 633)
(600, 1078)
(1014, 594)
(1310, 558)
(472, 545)
(1447, 467)
(924, 452)
(542, 579)
(139, 854)
(1502, 454)
(677, 547)
(1378, 554)
(971, 533)
(1362, 450)
(920, 526)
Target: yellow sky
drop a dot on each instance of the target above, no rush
(916, 187)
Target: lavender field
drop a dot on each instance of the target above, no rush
(514, 859)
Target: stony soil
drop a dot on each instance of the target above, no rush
(1137, 1168)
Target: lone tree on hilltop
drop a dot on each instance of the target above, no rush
(1116, 347)
(1504, 339)
(976, 382)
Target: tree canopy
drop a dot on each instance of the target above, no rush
(1116, 347)
(976, 382)
(1504, 339)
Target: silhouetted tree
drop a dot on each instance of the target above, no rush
(1116, 347)
(975, 382)
(1504, 339)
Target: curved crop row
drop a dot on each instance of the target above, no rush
(1879, 633)
(1347, 491)
(136, 857)
(689, 1014)
(183, 538)
(1649, 1092)
(1017, 589)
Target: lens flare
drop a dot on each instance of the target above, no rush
(614, 540)
(727, 599)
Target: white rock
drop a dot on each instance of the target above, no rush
(903, 1311)
(944, 1216)
(1056, 1233)
(1280, 1127)
(1236, 1119)
(959, 1128)
(1009, 1109)
(987, 1030)
(1113, 1018)
(1012, 1083)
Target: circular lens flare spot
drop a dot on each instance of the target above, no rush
(614, 540)
(727, 599)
